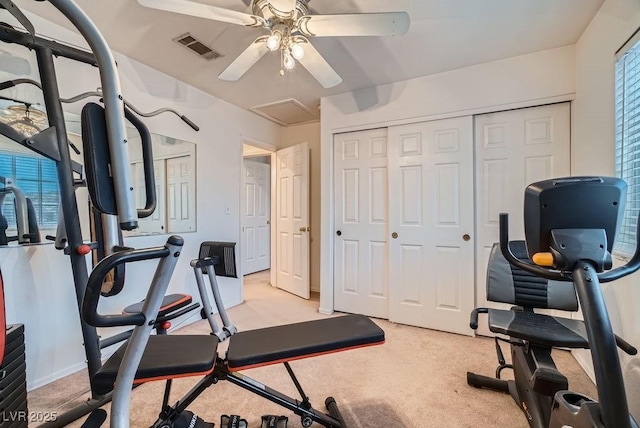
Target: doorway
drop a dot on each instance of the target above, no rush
(255, 208)
(274, 214)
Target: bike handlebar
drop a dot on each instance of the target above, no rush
(630, 267)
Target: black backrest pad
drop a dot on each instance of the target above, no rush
(97, 159)
(509, 284)
(225, 252)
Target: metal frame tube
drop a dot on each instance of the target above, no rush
(68, 202)
(114, 111)
(602, 342)
(282, 400)
(140, 336)
(22, 214)
(215, 290)
(12, 35)
(206, 303)
(21, 209)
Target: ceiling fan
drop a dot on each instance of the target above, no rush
(290, 24)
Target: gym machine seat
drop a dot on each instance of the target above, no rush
(274, 345)
(543, 330)
(170, 303)
(509, 284)
(160, 360)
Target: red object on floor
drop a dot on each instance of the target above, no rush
(3, 321)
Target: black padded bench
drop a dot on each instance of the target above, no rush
(290, 342)
(160, 360)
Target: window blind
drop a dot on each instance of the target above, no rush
(627, 155)
(37, 178)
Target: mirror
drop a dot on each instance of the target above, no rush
(29, 186)
(28, 181)
(174, 164)
(175, 178)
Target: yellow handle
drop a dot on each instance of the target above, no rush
(543, 259)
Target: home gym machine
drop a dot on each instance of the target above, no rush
(145, 357)
(164, 359)
(570, 226)
(53, 144)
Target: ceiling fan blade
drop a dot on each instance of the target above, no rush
(200, 10)
(319, 67)
(364, 24)
(245, 60)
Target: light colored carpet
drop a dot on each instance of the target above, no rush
(416, 379)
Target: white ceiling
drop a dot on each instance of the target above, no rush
(444, 35)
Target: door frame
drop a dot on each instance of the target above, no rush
(272, 150)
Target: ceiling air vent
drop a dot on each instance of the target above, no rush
(196, 46)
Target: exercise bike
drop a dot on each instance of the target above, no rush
(570, 225)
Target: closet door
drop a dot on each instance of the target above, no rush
(431, 220)
(514, 149)
(361, 212)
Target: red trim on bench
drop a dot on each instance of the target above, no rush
(169, 377)
(186, 298)
(177, 302)
(285, 360)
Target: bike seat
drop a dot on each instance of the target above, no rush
(539, 329)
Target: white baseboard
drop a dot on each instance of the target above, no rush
(37, 383)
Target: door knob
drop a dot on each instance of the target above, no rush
(339, 233)
(303, 229)
(394, 235)
(466, 237)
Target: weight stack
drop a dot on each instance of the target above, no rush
(13, 381)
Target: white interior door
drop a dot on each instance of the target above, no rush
(361, 223)
(256, 196)
(514, 149)
(292, 240)
(180, 206)
(431, 259)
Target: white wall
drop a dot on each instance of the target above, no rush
(516, 82)
(38, 282)
(310, 133)
(593, 153)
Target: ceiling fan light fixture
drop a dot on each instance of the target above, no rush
(297, 51)
(273, 42)
(288, 61)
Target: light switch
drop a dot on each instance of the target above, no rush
(227, 210)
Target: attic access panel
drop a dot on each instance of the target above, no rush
(287, 112)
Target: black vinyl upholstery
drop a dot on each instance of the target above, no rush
(224, 256)
(170, 303)
(166, 356)
(509, 284)
(294, 341)
(540, 329)
(97, 159)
